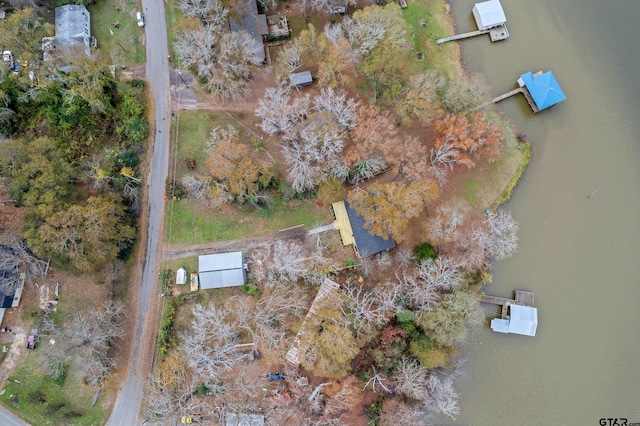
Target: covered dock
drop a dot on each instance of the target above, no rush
(490, 19)
(518, 316)
(541, 90)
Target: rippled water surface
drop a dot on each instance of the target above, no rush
(579, 255)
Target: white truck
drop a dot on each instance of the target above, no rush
(7, 57)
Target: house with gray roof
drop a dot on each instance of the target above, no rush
(247, 18)
(73, 32)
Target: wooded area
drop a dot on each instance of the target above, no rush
(395, 140)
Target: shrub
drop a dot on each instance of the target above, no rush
(348, 263)
(406, 321)
(423, 252)
(251, 289)
(191, 163)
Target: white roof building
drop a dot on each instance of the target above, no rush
(181, 276)
(489, 14)
(524, 320)
(222, 270)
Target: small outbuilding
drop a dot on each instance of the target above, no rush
(352, 231)
(181, 276)
(543, 89)
(244, 419)
(301, 79)
(222, 270)
(523, 320)
(489, 14)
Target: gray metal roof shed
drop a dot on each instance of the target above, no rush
(301, 79)
(221, 270)
(489, 14)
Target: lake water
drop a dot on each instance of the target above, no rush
(579, 255)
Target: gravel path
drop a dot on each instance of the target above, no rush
(296, 233)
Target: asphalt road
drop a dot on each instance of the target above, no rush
(127, 406)
(7, 418)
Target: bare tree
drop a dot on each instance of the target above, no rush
(444, 397)
(212, 12)
(280, 113)
(420, 97)
(442, 273)
(463, 94)
(171, 391)
(361, 309)
(411, 379)
(405, 257)
(288, 261)
(501, 241)
(443, 227)
(208, 347)
(324, 6)
(396, 411)
(370, 26)
(443, 157)
(89, 337)
(376, 379)
(336, 102)
(420, 295)
(223, 59)
(344, 399)
(314, 156)
(16, 258)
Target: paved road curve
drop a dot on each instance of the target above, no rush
(7, 418)
(127, 406)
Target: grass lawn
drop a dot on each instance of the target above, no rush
(444, 59)
(470, 185)
(194, 224)
(119, 45)
(193, 129)
(40, 401)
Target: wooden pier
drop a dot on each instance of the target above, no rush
(523, 298)
(515, 91)
(497, 34)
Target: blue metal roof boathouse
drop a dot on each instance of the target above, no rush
(543, 89)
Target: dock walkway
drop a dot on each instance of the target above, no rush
(497, 34)
(523, 298)
(515, 91)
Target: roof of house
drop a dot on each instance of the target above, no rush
(73, 26)
(524, 320)
(489, 14)
(301, 78)
(249, 20)
(244, 419)
(366, 242)
(221, 270)
(544, 89)
(342, 224)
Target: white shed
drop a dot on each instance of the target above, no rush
(222, 270)
(489, 14)
(181, 276)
